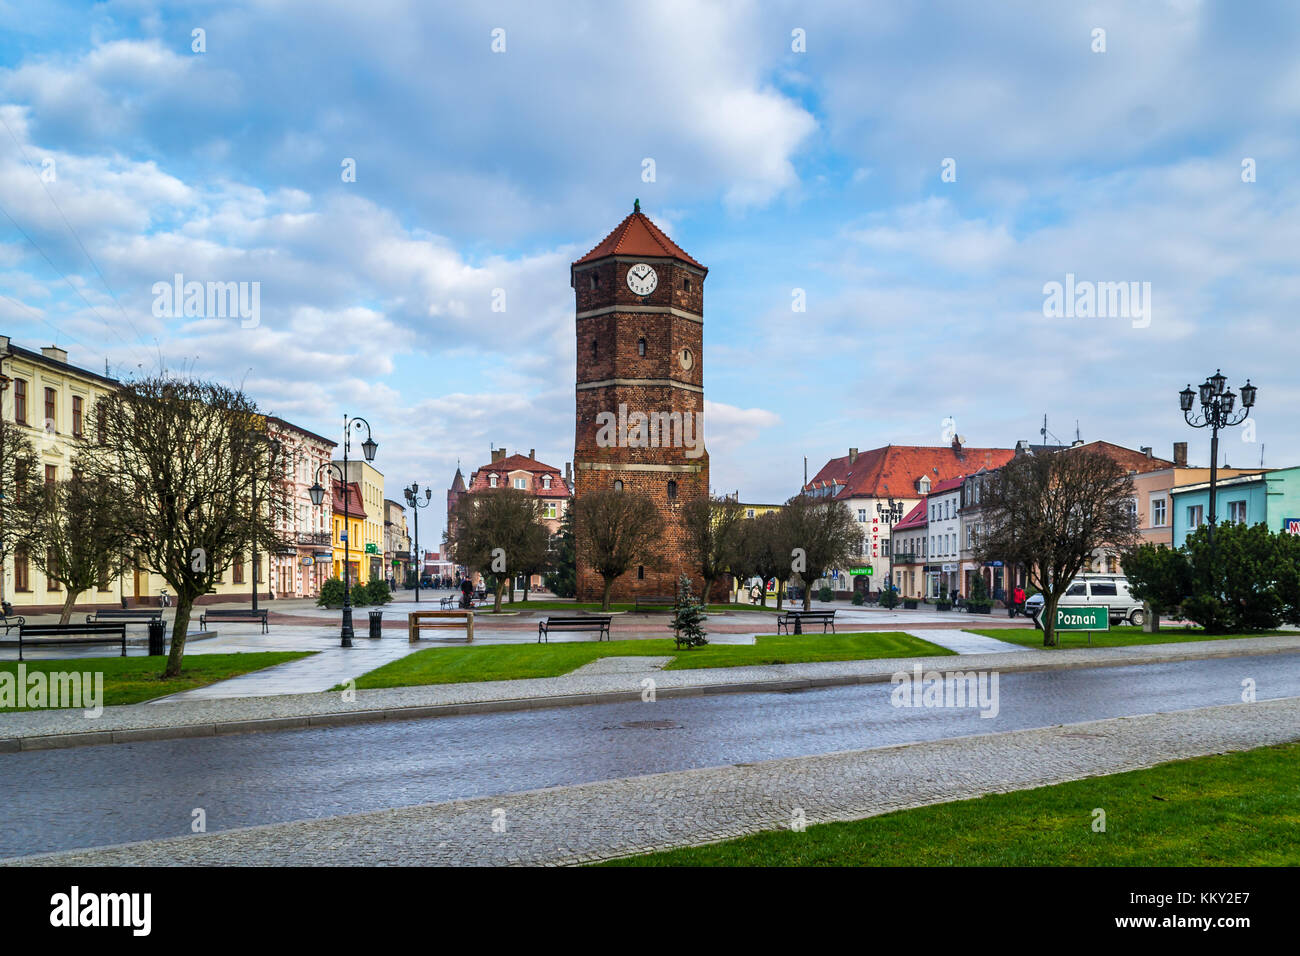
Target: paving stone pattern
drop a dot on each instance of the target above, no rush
(620, 817)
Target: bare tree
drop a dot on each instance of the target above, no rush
(614, 531)
(72, 532)
(821, 534)
(497, 533)
(712, 527)
(1050, 513)
(185, 455)
(769, 553)
(17, 459)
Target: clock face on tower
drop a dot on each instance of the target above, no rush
(641, 279)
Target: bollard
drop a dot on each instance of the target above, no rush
(376, 623)
(157, 638)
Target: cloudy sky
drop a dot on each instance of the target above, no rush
(914, 172)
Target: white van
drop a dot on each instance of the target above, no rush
(1091, 590)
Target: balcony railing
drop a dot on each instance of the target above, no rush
(313, 537)
(908, 557)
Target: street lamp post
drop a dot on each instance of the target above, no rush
(275, 450)
(889, 514)
(1216, 412)
(413, 499)
(368, 447)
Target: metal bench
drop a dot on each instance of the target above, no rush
(50, 634)
(235, 614)
(826, 618)
(657, 602)
(586, 622)
(135, 615)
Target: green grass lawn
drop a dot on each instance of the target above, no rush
(1239, 809)
(454, 665)
(130, 680)
(1116, 637)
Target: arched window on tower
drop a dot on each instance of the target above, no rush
(640, 346)
(595, 281)
(672, 490)
(594, 349)
(618, 486)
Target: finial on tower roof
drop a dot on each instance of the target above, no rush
(636, 205)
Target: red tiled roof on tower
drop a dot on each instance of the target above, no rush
(638, 236)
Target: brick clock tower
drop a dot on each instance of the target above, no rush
(640, 390)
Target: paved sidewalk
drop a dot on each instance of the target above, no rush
(206, 717)
(964, 643)
(620, 817)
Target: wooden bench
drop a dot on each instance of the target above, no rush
(826, 618)
(135, 615)
(655, 601)
(585, 622)
(48, 634)
(235, 614)
(417, 620)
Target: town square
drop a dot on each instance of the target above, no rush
(626, 437)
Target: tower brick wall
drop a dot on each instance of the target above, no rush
(641, 355)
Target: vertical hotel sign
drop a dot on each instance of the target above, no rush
(875, 536)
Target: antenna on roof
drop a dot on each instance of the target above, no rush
(1261, 456)
(1077, 436)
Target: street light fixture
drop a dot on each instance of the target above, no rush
(1216, 412)
(413, 499)
(317, 493)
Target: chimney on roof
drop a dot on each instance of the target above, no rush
(498, 454)
(1180, 454)
(54, 353)
(532, 453)
(568, 473)
(1146, 450)
(853, 455)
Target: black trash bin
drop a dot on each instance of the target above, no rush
(157, 638)
(376, 623)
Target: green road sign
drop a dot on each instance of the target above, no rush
(1083, 619)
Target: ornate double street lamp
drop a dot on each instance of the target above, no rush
(413, 499)
(1216, 412)
(368, 447)
(888, 514)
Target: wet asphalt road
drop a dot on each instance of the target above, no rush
(95, 796)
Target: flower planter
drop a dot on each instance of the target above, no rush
(978, 609)
(909, 605)
(943, 606)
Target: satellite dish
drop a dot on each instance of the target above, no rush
(961, 439)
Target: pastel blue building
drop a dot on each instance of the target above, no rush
(1272, 497)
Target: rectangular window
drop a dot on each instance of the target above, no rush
(238, 568)
(884, 547)
(1158, 513)
(52, 568)
(102, 432)
(862, 515)
(1195, 515)
(21, 581)
(1237, 512)
(76, 416)
(1103, 589)
(20, 401)
(51, 423)
(548, 510)
(51, 474)
(521, 483)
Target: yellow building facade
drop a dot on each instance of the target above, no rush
(371, 482)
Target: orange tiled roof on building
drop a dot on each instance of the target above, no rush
(356, 504)
(638, 236)
(480, 480)
(895, 470)
(918, 517)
